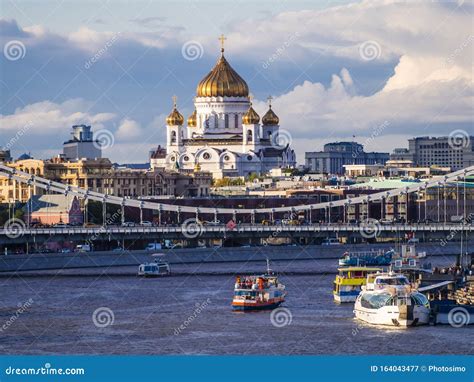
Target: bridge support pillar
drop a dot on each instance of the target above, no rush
(104, 212)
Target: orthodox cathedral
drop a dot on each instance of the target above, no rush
(224, 135)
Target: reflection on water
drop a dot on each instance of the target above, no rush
(191, 314)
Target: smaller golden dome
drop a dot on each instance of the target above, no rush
(197, 167)
(192, 120)
(175, 118)
(270, 118)
(250, 117)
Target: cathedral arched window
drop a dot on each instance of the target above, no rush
(249, 135)
(236, 121)
(173, 137)
(226, 121)
(216, 121)
(270, 135)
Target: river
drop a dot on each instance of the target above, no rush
(114, 312)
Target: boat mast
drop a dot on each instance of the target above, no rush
(269, 271)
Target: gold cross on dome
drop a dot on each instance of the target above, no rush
(175, 100)
(222, 39)
(269, 99)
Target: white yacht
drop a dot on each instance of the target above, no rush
(155, 268)
(389, 299)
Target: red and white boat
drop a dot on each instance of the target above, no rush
(258, 292)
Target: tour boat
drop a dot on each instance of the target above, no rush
(366, 258)
(408, 258)
(155, 268)
(407, 262)
(388, 299)
(258, 292)
(349, 281)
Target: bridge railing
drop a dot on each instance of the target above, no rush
(432, 227)
(50, 185)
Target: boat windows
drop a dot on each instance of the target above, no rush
(392, 281)
(375, 301)
(397, 301)
(245, 293)
(420, 299)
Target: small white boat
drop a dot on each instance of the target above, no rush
(155, 268)
(389, 299)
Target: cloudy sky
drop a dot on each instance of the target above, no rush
(382, 71)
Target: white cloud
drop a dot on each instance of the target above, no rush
(129, 129)
(48, 117)
(429, 90)
(428, 93)
(315, 114)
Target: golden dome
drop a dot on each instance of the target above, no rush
(270, 118)
(222, 81)
(175, 118)
(250, 117)
(197, 167)
(192, 120)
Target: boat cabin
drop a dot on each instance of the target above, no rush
(381, 281)
(356, 272)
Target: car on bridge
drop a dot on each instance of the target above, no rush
(331, 241)
(83, 248)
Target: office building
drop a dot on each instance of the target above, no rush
(335, 155)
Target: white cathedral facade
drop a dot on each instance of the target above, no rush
(224, 135)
